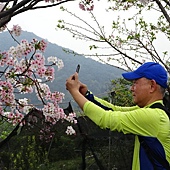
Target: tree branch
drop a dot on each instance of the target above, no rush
(163, 10)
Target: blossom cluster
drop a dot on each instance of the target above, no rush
(70, 130)
(24, 70)
(16, 30)
(86, 5)
(15, 118)
(46, 134)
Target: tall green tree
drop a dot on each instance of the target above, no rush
(121, 94)
(139, 33)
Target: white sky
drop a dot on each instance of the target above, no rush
(43, 22)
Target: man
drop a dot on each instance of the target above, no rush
(151, 125)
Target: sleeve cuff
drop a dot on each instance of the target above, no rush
(89, 95)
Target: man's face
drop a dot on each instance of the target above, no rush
(141, 91)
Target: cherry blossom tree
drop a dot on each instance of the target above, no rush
(25, 70)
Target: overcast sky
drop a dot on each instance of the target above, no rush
(43, 22)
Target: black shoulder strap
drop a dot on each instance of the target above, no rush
(148, 150)
(152, 155)
(160, 106)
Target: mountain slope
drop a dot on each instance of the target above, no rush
(95, 74)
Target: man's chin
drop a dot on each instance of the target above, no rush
(135, 102)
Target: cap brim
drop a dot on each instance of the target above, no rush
(131, 76)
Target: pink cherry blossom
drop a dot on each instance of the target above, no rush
(16, 30)
(25, 71)
(70, 131)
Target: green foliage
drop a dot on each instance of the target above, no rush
(5, 129)
(26, 151)
(23, 154)
(64, 165)
(122, 95)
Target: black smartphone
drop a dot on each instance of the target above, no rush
(78, 68)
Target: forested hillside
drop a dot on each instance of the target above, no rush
(95, 74)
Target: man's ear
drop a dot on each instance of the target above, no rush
(154, 85)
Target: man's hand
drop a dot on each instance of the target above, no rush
(72, 83)
(74, 86)
(83, 88)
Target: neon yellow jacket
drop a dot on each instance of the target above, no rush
(132, 120)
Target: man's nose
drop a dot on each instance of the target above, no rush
(132, 88)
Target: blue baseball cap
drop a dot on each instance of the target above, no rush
(149, 70)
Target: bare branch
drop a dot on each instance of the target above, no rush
(163, 10)
(22, 6)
